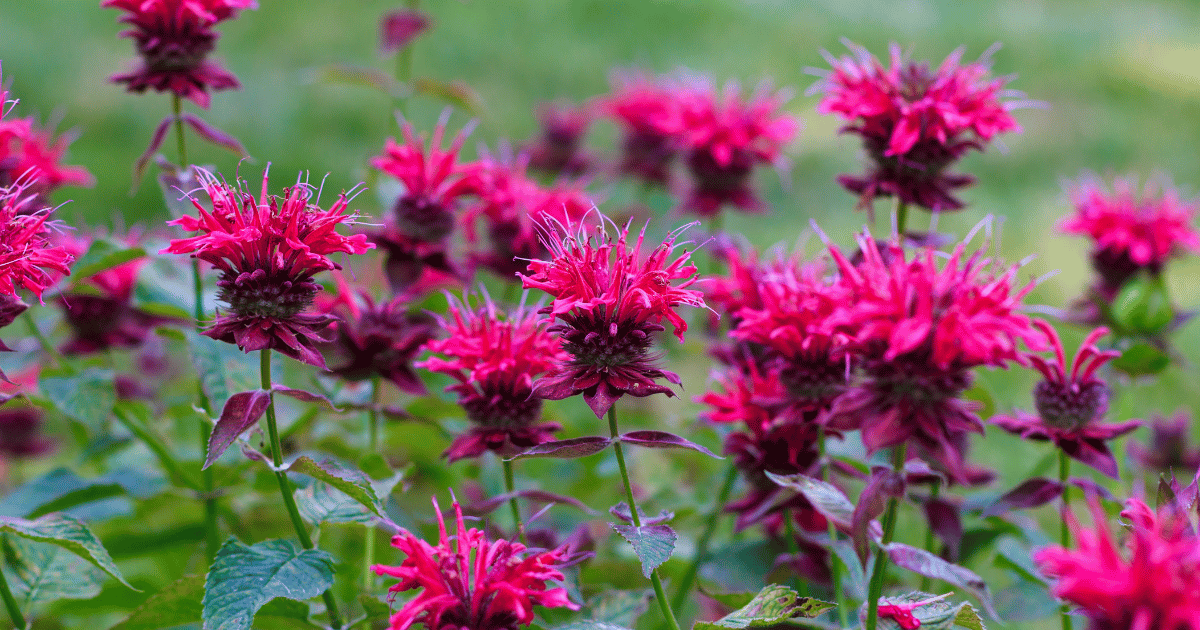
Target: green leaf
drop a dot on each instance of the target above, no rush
(224, 369)
(41, 572)
(175, 605)
(653, 544)
(374, 608)
(350, 481)
(732, 600)
(774, 605)
(1139, 358)
(65, 531)
(163, 289)
(619, 607)
(102, 255)
(244, 578)
(86, 396)
(322, 503)
(284, 613)
(968, 618)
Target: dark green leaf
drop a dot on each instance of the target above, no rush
(774, 605)
(86, 396)
(102, 255)
(244, 578)
(968, 618)
(374, 608)
(57, 490)
(66, 532)
(352, 482)
(46, 573)
(175, 605)
(653, 544)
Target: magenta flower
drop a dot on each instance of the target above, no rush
(559, 149)
(32, 156)
(1130, 229)
(28, 259)
(268, 250)
(1070, 405)
(610, 300)
(474, 583)
(919, 327)
(495, 357)
(397, 29)
(901, 611)
(1148, 583)
(650, 114)
(174, 38)
(21, 433)
(377, 338)
(725, 137)
(915, 122)
(1169, 448)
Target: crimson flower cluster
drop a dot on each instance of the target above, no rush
(494, 358)
(559, 148)
(174, 39)
(610, 300)
(267, 250)
(471, 582)
(915, 122)
(33, 157)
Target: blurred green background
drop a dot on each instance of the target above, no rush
(1120, 82)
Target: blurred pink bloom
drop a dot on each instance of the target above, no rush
(650, 113)
(559, 150)
(397, 29)
(174, 38)
(268, 250)
(33, 156)
(495, 357)
(914, 121)
(1147, 583)
(1071, 404)
(474, 583)
(21, 433)
(1169, 448)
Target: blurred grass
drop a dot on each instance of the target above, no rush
(1120, 80)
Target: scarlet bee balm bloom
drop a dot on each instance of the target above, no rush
(472, 583)
(610, 301)
(268, 250)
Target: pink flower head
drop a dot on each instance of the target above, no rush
(22, 432)
(1169, 448)
(433, 182)
(725, 137)
(611, 299)
(268, 250)
(495, 357)
(1070, 404)
(914, 121)
(174, 38)
(377, 338)
(397, 29)
(1130, 229)
(650, 113)
(472, 583)
(558, 151)
(1147, 583)
(32, 155)
(28, 259)
(901, 611)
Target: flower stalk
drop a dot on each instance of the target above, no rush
(1064, 532)
(510, 488)
(878, 575)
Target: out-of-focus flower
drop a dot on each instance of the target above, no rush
(377, 338)
(268, 250)
(1131, 229)
(915, 121)
(472, 583)
(495, 357)
(397, 29)
(611, 300)
(99, 309)
(414, 267)
(32, 155)
(650, 114)
(21, 432)
(174, 38)
(1169, 448)
(558, 151)
(1071, 404)
(725, 137)
(918, 327)
(1148, 583)
(433, 182)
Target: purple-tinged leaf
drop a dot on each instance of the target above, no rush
(918, 471)
(304, 396)
(653, 544)
(487, 506)
(241, 412)
(567, 449)
(215, 136)
(662, 439)
(825, 497)
(884, 484)
(924, 563)
(945, 522)
(254, 454)
(160, 134)
(621, 511)
(1030, 494)
(1091, 488)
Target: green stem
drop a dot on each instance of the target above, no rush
(901, 218)
(659, 594)
(878, 575)
(212, 532)
(1064, 534)
(933, 494)
(164, 456)
(177, 108)
(510, 487)
(10, 602)
(839, 593)
(373, 416)
(47, 347)
(793, 548)
(369, 559)
(689, 576)
(285, 485)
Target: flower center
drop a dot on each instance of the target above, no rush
(712, 176)
(276, 294)
(499, 407)
(813, 380)
(596, 342)
(423, 218)
(1071, 406)
(918, 384)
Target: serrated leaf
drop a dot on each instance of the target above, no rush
(619, 607)
(825, 497)
(774, 605)
(42, 572)
(244, 578)
(662, 439)
(102, 255)
(175, 605)
(621, 511)
(352, 482)
(86, 396)
(303, 396)
(322, 503)
(67, 532)
(653, 544)
(567, 449)
(241, 412)
(968, 618)
(924, 563)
